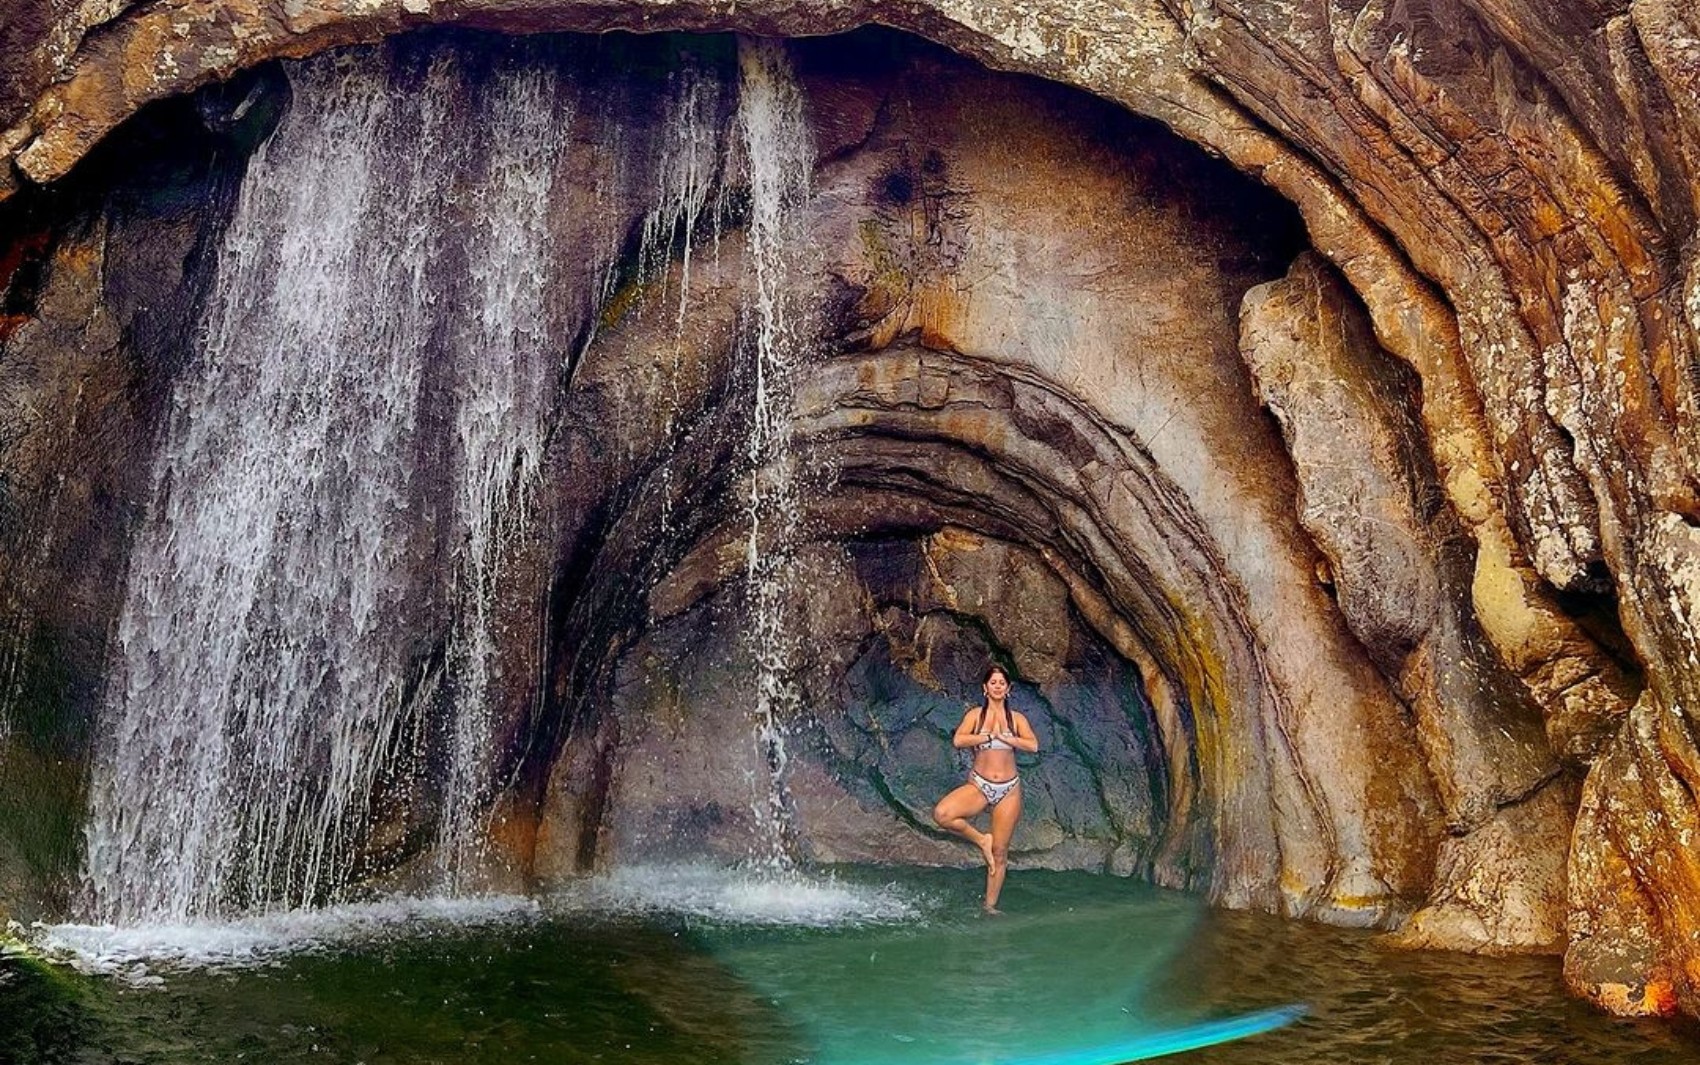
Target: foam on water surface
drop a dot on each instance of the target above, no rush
(729, 896)
(137, 953)
(739, 896)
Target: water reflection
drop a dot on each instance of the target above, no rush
(1062, 977)
(694, 967)
(1370, 1002)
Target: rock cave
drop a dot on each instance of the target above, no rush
(1297, 398)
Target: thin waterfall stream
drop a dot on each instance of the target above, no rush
(780, 156)
(688, 185)
(506, 363)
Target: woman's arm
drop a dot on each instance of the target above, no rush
(1024, 738)
(965, 734)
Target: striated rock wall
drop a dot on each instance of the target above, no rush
(1510, 193)
(1400, 566)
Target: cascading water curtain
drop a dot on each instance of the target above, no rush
(779, 154)
(505, 365)
(253, 691)
(280, 584)
(352, 456)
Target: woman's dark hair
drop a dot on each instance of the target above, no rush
(1009, 715)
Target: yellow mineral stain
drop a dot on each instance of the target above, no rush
(940, 313)
(622, 303)
(1501, 602)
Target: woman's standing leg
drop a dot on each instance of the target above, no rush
(953, 812)
(1004, 816)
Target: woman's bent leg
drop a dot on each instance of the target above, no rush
(953, 812)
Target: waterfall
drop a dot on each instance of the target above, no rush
(325, 596)
(354, 448)
(505, 368)
(690, 169)
(254, 690)
(688, 172)
(778, 151)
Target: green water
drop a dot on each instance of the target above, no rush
(1077, 961)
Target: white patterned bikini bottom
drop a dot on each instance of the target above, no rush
(995, 791)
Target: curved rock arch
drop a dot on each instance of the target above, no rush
(1351, 843)
(1535, 269)
(1143, 59)
(1191, 617)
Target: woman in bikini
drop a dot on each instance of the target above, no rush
(994, 732)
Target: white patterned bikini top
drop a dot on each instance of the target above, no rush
(995, 743)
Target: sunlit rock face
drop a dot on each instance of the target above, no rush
(1465, 523)
(1400, 566)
